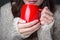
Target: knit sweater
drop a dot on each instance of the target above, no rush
(8, 29)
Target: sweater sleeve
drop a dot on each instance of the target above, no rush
(15, 22)
(44, 32)
(8, 31)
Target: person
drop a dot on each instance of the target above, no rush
(10, 29)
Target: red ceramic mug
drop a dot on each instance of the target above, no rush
(30, 12)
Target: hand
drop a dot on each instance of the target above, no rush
(28, 28)
(46, 16)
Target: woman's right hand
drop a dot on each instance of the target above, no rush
(28, 28)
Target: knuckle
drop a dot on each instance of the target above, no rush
(20, 31)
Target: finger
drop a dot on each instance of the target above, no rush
(29, 30)
(21, 21)
(27, 25)
(45, 21)
(47, 17)
(48, 11)
(45, 9)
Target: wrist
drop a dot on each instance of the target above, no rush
(47, 26)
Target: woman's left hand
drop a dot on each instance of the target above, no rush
(46, 16)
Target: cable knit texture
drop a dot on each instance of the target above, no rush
(8, 30)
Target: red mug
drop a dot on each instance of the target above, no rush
(30, 12)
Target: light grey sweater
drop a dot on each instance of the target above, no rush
(9, 32)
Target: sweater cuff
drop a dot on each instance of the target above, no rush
(47, 26)
(15, 22)
(44, 32)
